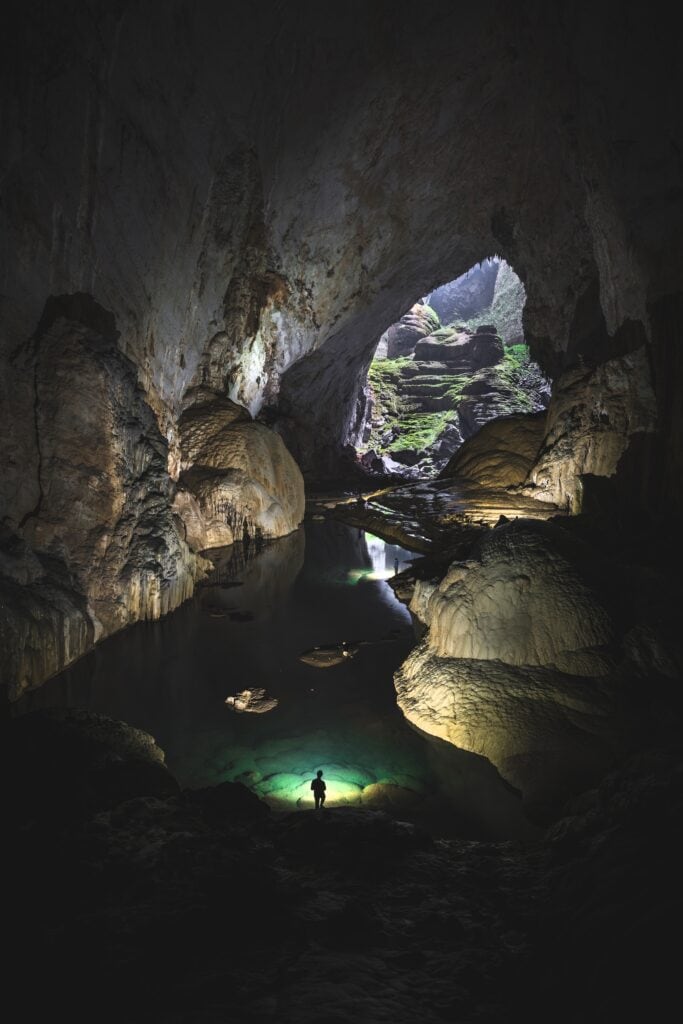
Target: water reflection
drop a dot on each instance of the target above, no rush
(245, 629)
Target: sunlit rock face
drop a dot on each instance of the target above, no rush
(469, 295)
(401, 337)
(502, 452)
(520, 661)
(237, 477)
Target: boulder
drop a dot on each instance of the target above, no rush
(69, 763)
(469, 352)
(502, 452)
(237, 478)
(255, 701)
(401, 337)
(519, 661)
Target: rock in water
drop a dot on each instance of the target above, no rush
(325, 657)
(255, 701)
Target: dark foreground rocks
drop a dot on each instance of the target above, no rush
(202, 906)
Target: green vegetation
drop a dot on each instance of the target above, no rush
(420, 430)
(413, 410)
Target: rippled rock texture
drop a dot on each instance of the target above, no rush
(101, 547)
(502, 453)
(531, 660)
(237, 481)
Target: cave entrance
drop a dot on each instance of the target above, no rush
(455, 360)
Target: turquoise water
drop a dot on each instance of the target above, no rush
(246, 630)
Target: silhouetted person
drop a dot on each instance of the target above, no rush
(395, 566)
(318, 787)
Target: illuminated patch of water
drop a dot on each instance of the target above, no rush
(246, 630)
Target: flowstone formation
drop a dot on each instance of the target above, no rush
(99, 548)
(502, 453)
(238, 481)
(99, 536)
(533, 659)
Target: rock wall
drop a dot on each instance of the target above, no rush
(592, 417)
(255, 195)
(100, 548)
(467, 296)
(255, 221)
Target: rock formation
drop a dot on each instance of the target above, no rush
(502, 452)
(222, 270)
(526, 661)
(401, 337)
(424, 405)
(100, 546)
(592, 418)
(237, 478)
(469, 295)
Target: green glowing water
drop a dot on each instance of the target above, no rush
(322, 585)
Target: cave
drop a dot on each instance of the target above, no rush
(229, 230)
(454, 361)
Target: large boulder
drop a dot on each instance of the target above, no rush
(502, 452)
(524, 661)
(70, 762)
(237, 478)
(468, 352)
(401, 337)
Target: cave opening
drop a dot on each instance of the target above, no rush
(455, 360)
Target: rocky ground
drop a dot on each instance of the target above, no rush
(439, 389)
(131, 900)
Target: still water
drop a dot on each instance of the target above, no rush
(246, 629)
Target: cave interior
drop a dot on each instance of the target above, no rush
(341, 428)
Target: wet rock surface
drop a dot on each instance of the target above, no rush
(533, 659)
(203, 905)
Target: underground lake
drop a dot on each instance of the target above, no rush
(245, 630)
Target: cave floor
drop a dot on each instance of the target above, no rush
(423, 515)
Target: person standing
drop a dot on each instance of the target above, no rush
(318, 786)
